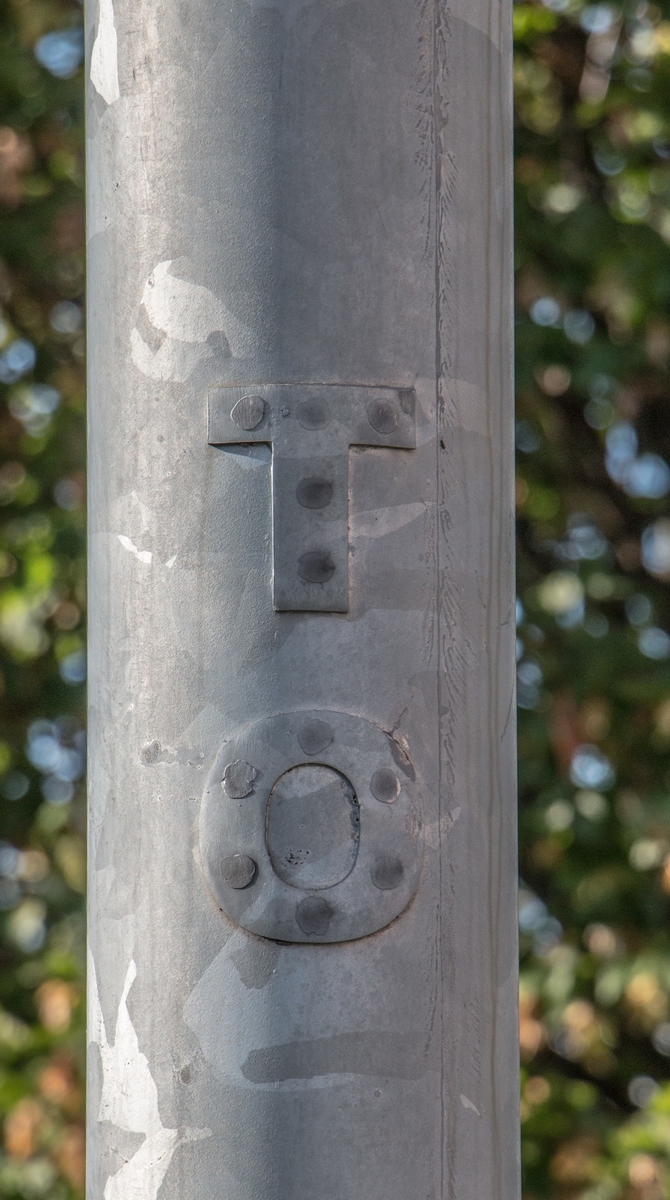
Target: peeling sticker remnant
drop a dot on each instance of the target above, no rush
(130, 1101)
(144, 556)
(104, 65)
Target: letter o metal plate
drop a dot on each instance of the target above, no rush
(323, 843)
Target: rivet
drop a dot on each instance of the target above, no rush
(387, 872)
(238, 871)
(313, 414)
(314, 915)
(316, 566)
(238, 779)
(383, 416)
(248, 412)
(314, 493)
(314, 736)
(384, 786)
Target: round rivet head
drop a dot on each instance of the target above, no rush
(314, 493)
(314, 915)
(383, 416)
(384, 786)
(238, 779)
(387, 872)
(316, 566)
(248, 412)
(314, 736)
(238, 871)
(313, 414)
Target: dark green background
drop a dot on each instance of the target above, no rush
(593, 357)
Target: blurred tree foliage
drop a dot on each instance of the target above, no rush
(593, 501)
(42, 663)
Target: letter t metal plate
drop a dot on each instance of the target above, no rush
(310, 428)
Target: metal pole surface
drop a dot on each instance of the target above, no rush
(302, 980)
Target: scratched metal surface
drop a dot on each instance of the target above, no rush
(314, 191)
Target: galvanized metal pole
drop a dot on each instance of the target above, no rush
(302, 858)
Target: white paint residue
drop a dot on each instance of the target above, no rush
(377, 522)
(171, 561)
(143, 1174)
(173, 362)
(144, 556)
(130, 1101)
(468, 1104)
(187, 313)
(104, 63)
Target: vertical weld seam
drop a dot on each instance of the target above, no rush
(496, 78)
(492, 651)
(438, 622)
